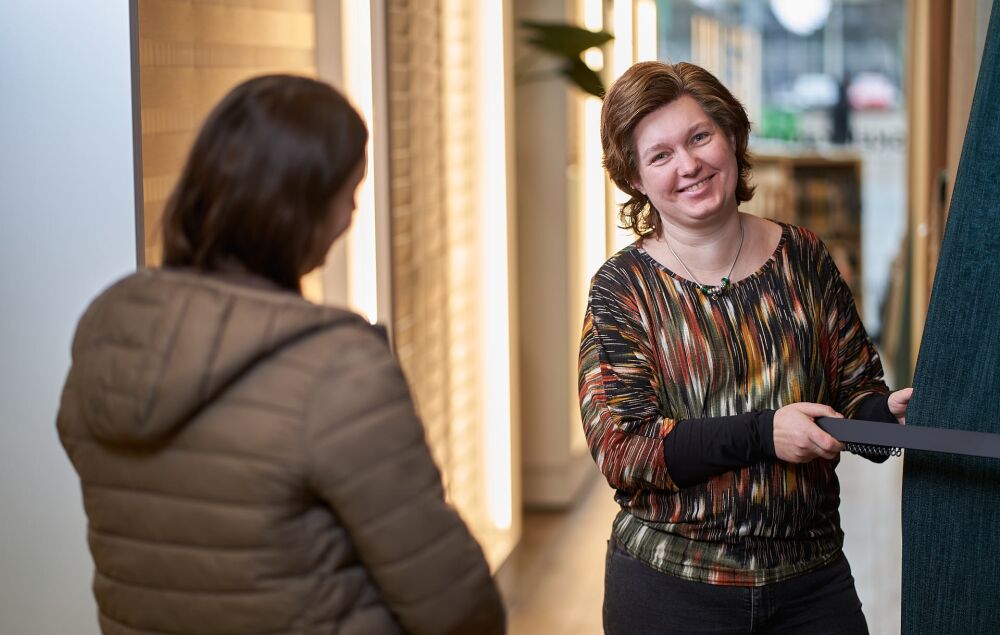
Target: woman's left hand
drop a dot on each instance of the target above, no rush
(898, 401)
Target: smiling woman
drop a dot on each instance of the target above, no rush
(699, 399)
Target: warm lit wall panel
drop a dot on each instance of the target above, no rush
(437, 194)
(191, 52)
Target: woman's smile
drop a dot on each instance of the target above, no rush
(697, 186)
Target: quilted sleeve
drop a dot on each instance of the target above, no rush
(369, 460)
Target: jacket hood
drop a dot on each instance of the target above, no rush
(155, 347)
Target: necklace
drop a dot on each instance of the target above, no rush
(711, 290)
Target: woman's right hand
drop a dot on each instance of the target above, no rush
(797, 438)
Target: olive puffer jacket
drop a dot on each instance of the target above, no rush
(251, 463)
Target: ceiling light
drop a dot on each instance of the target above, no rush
(801, 17)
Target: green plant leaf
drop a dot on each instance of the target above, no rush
(577, 71)
(564, 39)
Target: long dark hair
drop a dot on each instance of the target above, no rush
(260, 177)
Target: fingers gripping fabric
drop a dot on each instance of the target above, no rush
(951, 504)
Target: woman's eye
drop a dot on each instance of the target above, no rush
(659, 156)
(701, 136)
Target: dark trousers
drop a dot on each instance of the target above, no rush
(639, 600)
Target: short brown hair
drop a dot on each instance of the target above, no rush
(644, 88)
(260, 178)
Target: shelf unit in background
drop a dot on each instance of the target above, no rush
(819, 192)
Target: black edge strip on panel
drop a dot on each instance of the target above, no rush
(911, 437)
(140, 212)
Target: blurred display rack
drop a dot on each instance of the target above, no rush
(821, 192)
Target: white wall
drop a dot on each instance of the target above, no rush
(66, 230)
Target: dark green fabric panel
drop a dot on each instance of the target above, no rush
(951, 504)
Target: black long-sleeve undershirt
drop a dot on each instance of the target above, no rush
(698, 449)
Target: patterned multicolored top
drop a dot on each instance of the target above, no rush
(657, 350)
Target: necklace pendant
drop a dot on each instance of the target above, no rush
(714, 291)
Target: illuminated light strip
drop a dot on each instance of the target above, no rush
(623, 59)
(595, 193)
(593, 14)
(645, 27)
(595, 203)
(362, 283)
(593, 19)
(495, 285)
(623, 36)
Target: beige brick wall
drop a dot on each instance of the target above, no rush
(436, 241)
(191, 53)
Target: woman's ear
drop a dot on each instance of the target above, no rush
(637, 185)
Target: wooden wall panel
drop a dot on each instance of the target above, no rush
(437, 312)
(929, 31)
(462, 239)
(419, 257)
(191, 53)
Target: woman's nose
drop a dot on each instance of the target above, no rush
(687, 163)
